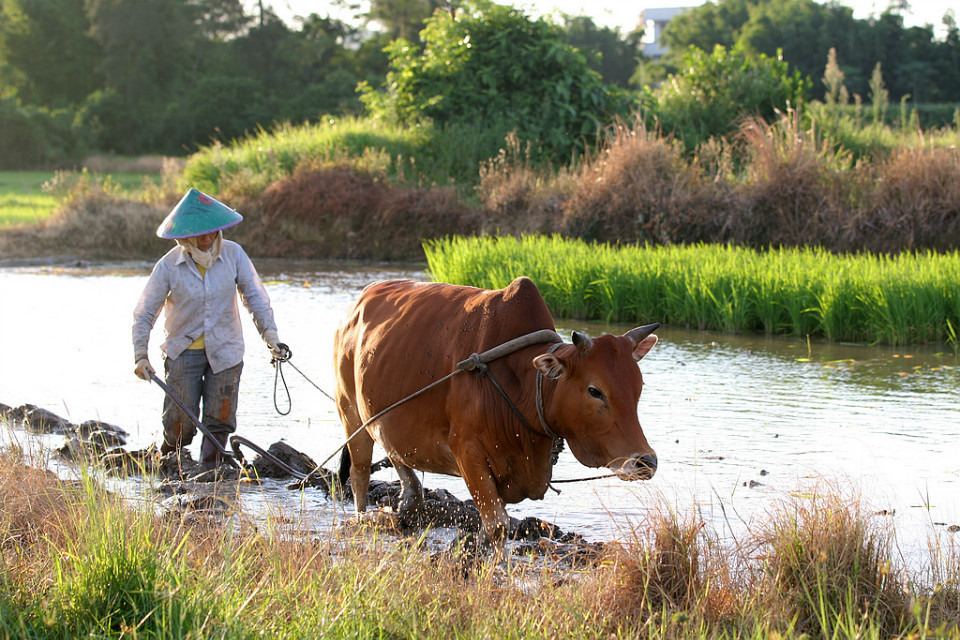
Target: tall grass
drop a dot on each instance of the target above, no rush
(77, 562)
(905, 299)
(421, 155)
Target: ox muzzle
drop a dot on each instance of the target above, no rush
(637, 467)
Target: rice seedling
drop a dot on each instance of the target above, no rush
(903, 299)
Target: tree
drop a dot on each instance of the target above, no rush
(220, 19)
(914, 62)
(804, 30)
(612, 55)
(493, 66)
(706, 26)
(46, 54)
(404, 18)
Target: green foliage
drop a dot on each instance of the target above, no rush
(22, 200)
(914, 60)
(166, 77)
(706, 26)
(33, 136)
(493, 66)
(608, 52)
(250, 164)
(907, 299)
(46, 52)
(718, 89)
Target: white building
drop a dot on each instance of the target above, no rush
(654, 21)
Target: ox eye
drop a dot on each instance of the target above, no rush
(596, 393)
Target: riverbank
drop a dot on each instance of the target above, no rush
(79, 561)
(354, 189)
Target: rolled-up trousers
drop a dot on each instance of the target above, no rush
(192, 380)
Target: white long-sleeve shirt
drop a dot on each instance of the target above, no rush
(196, 305)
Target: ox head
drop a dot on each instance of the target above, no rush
(594, 406)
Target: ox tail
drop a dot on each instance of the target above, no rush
(344, 473)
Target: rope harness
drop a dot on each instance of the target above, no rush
(476, 362)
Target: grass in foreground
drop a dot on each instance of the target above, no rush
(78, 562)
(910, 298)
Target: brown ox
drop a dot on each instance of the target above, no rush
(402, 335)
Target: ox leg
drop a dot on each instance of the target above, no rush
(411, 507)
(496, 522)
(361, 454)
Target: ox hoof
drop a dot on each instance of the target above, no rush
(380, 519)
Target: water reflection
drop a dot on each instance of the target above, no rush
(737, 421)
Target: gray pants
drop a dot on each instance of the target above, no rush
(192, 380)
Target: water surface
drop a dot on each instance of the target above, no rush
(739, 423)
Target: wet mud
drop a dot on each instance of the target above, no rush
(190, 490)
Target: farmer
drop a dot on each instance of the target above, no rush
(196, 283)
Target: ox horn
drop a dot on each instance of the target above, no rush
(583, 343)
(639, 334)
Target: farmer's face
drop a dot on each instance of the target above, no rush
(205, 241)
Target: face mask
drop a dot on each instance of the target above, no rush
(204, 259)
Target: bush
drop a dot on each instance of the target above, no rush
(336, 212)
(913, 203)
(491, 65)
(32, 137)
(792, 191)
(641, 188)
(719, 89)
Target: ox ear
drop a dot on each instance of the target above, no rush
(644, 347)
(643, 339)
(550, 365)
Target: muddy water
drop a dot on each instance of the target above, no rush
(739, 423)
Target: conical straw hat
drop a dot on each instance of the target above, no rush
(197, 214)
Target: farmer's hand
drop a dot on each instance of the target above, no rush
(144, 369)
(278, 350)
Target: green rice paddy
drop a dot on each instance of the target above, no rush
(910, 298)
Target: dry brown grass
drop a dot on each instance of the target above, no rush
(828, 566)
(103, 163)
(774, 185)
(95, 227)
(520, 197)
(641, 188)
(34, 501)
(336, 212)
(791, 192)
(942, 582)
(818, 565)
(663, 568)
(913, 202)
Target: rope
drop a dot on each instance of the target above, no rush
(362, 428)
(476, 362)
(608, 475)
(278, 375)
